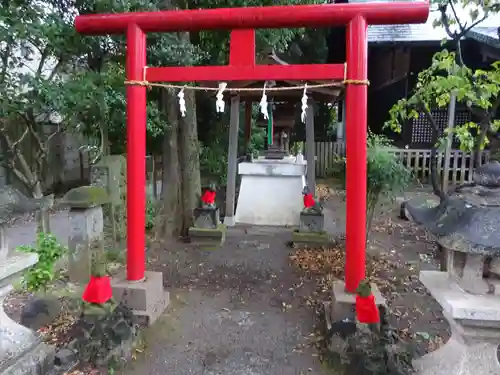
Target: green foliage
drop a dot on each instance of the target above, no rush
(93, 100)
(49, 251)
(213, 162)
(455, 23)
(478, 90)
(151, 211)
(386, 174)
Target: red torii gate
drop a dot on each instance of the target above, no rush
(242, 22)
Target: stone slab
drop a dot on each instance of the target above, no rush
(39, 360)
(475, 325)
(206, 218)
(312, 222)
(343, 303)
(315, 238)
(208, 236)
(229, 221)
(14, 265)
(147, 298)
(277, 168)
(457, 303)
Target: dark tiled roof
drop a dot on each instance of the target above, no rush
(487, 35)
(425, 32)
(405, 33)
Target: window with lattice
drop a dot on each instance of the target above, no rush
(422, 130)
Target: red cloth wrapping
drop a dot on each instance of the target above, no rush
(308, 201)
(98, 290)
(367, 310)
(208, 197)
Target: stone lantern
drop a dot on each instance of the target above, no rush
(467, 227)
(21, 350)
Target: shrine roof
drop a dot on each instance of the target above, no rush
(486, 35)
(422, 33)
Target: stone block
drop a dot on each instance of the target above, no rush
(110, 174)
(311, 238)
(37, 360)
(475, 330)
(40, 312)
(147, 299)
(343, 303)
(65, 357)
(312, 221)
(206, 218)
(85, 229)
(21, 352)
(86, 197)
(206, 236)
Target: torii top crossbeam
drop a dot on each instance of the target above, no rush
(278, 17)
(242, 67)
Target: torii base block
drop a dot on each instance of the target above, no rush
(146, 298)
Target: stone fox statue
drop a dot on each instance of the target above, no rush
(310, 204)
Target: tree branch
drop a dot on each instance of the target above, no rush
(43, 58)
(433, 167)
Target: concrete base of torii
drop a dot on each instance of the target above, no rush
(271, 192)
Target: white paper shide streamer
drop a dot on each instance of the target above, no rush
(219, 104)
(303, 115)
(182, 103)
(263, 104)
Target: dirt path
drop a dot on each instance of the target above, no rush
(238, 310)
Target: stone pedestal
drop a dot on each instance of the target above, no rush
(343, 303)
(206, 218)
(85, 229)
(475, 326)
(311, 230)
(312, 221)
(271, 192)
(21, 351)
(207, 229)
(147, 298)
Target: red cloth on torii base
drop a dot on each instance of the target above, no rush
(367, 310)
(98, 290)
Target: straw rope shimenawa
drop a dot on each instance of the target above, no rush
(345, 81)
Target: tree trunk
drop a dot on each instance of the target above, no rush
(189, 155)
(167, 220)
(43, 215)
(189, 162)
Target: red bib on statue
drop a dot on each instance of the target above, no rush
(367, 310)
(308, 201)
(208, 197)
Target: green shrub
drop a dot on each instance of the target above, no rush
(386, 174)
(49, 251)
(151, 211)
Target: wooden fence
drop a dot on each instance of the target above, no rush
(328, 154)
(460, 163)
